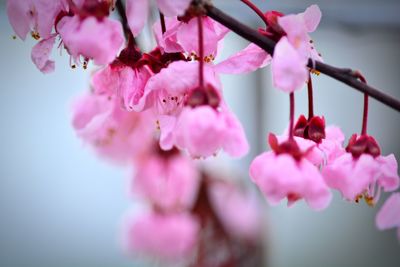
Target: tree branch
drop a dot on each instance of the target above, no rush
(347, 76)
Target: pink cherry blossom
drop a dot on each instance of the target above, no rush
(41, 53)
(169, 237)
(137, 11)
(365, 175)
(37, 16)
(237, 209)
(169, 182)
(291, 53)
(389, 214)
(111, 131)
(91, 38)
(281, 176)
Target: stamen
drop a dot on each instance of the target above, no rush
(35, 35)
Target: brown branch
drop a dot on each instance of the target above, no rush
(347, 76)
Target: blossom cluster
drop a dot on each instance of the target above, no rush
(163, 111)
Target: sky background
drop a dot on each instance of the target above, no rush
(60, 205)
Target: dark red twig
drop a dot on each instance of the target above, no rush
(310, 98)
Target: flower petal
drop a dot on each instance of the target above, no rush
(41, 53)
(247, 60)
(289, 71)
(389, 214)
(173, 8)
(137, 12)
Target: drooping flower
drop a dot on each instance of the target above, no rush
(171, 237)
(294, 48)
(190, 115)
(167, 179)
(137, 11)
(362, 171)
(389, 214)
(285, 173)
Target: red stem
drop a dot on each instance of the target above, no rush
(257, 10)
(291, 123)
(365, 113)
(201, 51)
(365, 116)
(310, 98)
(162, 22)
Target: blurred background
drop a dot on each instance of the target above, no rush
(60, 205)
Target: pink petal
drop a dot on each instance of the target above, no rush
(173, 8)
(188, 36)
(289, 71)
(167, 126)
(238, 210)
(41, 53)
(351, 176)
(247, 60)
(388, 178)
(235, 143)
(177, 78)
(168, 41)
(169, 183)
(47, 10)
(169, 237)
(312, 17)
(131, 87)
(200, 130)
(18, 15)
(137, 12)
(389, 214)
(106, 81)
(90, 38)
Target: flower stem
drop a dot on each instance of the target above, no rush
(201, 51)
(257, 10)
(162, 22)
(291, 123)
(365, 113)
(310, 98)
